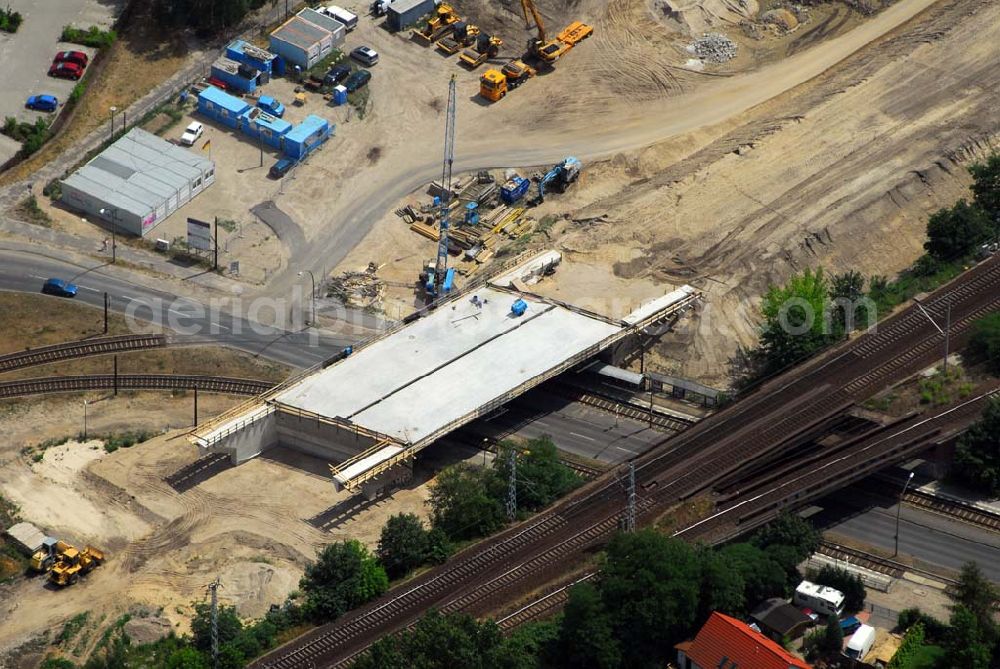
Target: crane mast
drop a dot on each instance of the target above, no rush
(441, 267)
(528, 7)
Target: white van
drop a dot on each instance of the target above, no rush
(860, 643)
(823, 600)
(349, 19)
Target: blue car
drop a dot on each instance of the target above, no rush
(47, 103)
(271, 106)
(59, 288)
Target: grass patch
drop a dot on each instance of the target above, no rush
(92, 36)
(227, 224)
(320, 69)
(10, 20)
(360, 100)
(920, 278)
(938, 389)
(926, 657)
(72, 627)
(112, 442)
(29, 211)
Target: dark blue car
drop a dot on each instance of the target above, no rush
(47, 103)
(60, 288)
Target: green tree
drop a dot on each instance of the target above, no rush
(586, 638)
(966, 646)
(985, 341)
(230, 625)
(788, 529)
(986, 187)
(463, 502)
(541, 477)
(846, 292)
(954, 233)
(794, 320)
(650, 586)
(976, 594)
(439, 546)
(762, 576)
(833, 636)
(848, 583)
(977, 455)
(722, 585)
(345, 575)
(403, 544)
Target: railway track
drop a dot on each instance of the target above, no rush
(73, 384)
(954, 508)
(520, 559)
(665, 422)
(80, 349)
(870, 562)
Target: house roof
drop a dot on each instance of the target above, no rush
(727, 643)
(301, 33)
(778, 615)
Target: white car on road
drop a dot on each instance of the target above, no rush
(192, 133)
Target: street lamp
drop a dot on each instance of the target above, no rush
(899, 507)
(85, 420)
(312, 319)
(946, 331)
(113, 110)
(113, 212)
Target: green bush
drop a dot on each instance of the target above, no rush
(985, 342)
(10, 20)
(92, 36)
(77, 93)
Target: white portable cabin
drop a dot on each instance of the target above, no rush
(861, 642)
(823, 600)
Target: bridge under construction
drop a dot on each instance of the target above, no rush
(370, 410)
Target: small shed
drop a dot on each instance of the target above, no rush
(236, 75)
(778, 619)
(220, 106)
(253, 56)
(306, 136)
(301, 42)
(266, 128)
(326, 22)
(403, 13)
(26, 536)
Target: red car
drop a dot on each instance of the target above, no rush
(77, 57)
(66, 71)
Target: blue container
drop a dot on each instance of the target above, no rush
(514, 190)
(519, 307)
(449, 280)
(472, 213)
(339, 96)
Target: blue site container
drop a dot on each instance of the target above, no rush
(472, 213)
(339, 95)
(449, 280)
(514, 190)
(519, 307)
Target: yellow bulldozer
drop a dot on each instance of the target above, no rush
(74, 563)
(444, 16)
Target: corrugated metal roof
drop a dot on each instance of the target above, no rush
(328, 23)
(301, 33)
(139, 172)
(403, 6)
(27, 535)
(220, 98)
(618, 373)
(309, 126)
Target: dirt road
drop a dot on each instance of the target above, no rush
(585, 131)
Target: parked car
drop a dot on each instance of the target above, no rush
(348, 19)
(280, 168)
(365, 55)
(192, 133)
(66, 71)
(47, 103)
(78, 57)
(850, 625)
(357, 80)
(59, 288)
(271, 106)
(336, 75)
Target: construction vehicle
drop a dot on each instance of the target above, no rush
(462, 35)
(73, 563)
(486, 47)
(546, 50)
(494, 84)
(444, 17)
(559, 177)
(46, 556)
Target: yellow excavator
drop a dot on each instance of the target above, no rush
(494, 84)
(73, 563)
(444, 16)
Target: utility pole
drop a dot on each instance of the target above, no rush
(512, 484)
(106, 300)
(630, 499)
(196, 406)
(899, 507)
(213, 587)
(215, 263)
(116, 375)
(947, 337)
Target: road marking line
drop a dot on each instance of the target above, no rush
(93, 290)
(220, 325)
(582, 436)
(627, 450)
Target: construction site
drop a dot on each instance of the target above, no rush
(543, 218)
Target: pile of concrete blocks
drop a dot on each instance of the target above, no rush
(714, 48)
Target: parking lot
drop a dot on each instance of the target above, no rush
(27, 54)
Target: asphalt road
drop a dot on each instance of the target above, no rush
(926, 536)
(574, 427)
(191, 321)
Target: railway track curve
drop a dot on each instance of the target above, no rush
(80, 349)
(74, 384)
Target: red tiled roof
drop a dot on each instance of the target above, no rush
(727, 643)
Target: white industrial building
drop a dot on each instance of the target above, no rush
(137, 182)
(307, 38)
(373, 410)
